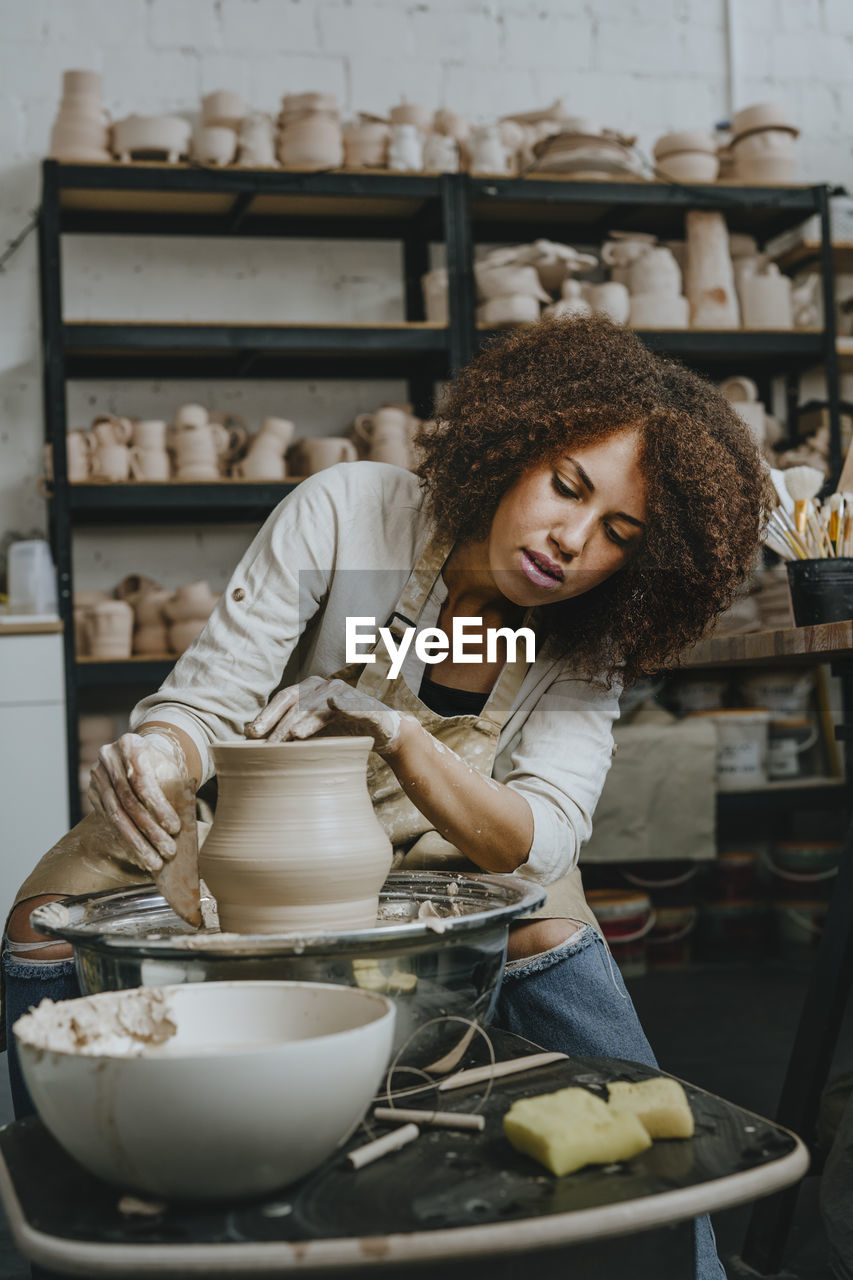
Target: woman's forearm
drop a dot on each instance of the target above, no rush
(488, 822)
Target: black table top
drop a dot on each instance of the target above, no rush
(451, 1194)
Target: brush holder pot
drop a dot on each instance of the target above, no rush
(821, 590)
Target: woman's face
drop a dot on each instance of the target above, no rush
(564, 527)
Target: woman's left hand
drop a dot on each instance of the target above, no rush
(323, 706)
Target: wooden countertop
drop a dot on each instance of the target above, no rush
(21, 628)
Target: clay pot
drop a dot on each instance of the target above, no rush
(609, 299)
(412, 113)
(622, 252)
(709, 279)
(223, 108)
(488, 153)
(385, 435)
(153, 465)
(312, 143)
(149, 433)
(574, 301)
(441, 154)
(766, 300)
(765, 169)
(658, 311)
(656, 271)
(295, 844)
(153, 639)
(111, 462)
(193, 600)
(762, 115)
(108, 429)
(78, 456)
(264, 461)
(148, 606)
(406, 149)
(366, 145)
(182, 634)
(191, 415)
(214, 144)
(498, 281)
(451, 124)
(109, 629)
(88, 82)
(310, 456)
(257, 142)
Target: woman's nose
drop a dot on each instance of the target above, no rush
(571, 535)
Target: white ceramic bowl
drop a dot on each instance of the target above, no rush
(257, 1085)
(776, 142)
(214, 144)
(152, 133)
(762, 115)
(689, 166)
(685, 140)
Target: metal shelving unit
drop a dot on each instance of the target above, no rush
(414, 209)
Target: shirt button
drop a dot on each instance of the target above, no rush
(238, 594)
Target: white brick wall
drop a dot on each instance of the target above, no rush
(645, 67)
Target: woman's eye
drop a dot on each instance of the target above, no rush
(562, 488)
(614, 537)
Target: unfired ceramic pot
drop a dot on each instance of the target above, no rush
(709, 280)
(766, 300)
(295, 845)
(310, 456)
(406, 149)
(609, 299)
(441, 154)
(143, 136)
(109, 629)
(214, 145)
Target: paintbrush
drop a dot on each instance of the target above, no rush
(834, 506)
(847, 535)
(803, 484)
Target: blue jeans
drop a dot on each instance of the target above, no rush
(27, 983)
(572, 1000)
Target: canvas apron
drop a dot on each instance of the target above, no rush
(86, 860)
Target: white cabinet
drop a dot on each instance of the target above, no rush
(33, 767)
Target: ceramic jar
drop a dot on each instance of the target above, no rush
(451, 124)
(488, 153)
(609, 299)
(406, 149)
(265, 457)
(186, 613)
(435, 286)
(310, 456)
(310, 132)
(763, 146)
(710, 285)
(108, 626)
(224, 109)
(152, 465)
(214, 145)
(111, 462)
(81, 130)
(508, 310)
(144, 137)
(412, 113)
(195, 451)
(658, 311)
(366, 145)
(191, 415)
(256, 142)
(78, 456)
(655, 271)
(295, 844)
(766, 300)
(441, 154)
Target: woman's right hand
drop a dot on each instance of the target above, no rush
(126, 788)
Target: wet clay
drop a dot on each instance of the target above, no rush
(295, 845)
(126, 1025)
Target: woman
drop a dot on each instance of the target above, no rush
(575, 484)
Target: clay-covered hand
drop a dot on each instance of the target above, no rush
(323, 706)
(126, 788)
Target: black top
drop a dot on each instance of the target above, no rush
(445, 701)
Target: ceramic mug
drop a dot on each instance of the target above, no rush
(78, 455)
(316, 455)
(261, 463)
(387, 419)
(149, 464)
(111, 462)
(191, 415)
(391, 444)
(280, 429)
(149, 433)
(109, 629)
(227, 440)
(107, 429)
(610, 299)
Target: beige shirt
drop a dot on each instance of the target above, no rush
(342, 545)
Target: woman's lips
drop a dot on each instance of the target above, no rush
(541, 571)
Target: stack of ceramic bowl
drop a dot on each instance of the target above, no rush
(586, 155)
(222, 115)
(310, 131)
(690, 155)
(187, 612)
(763, 144)
(510, 293)
(80, 131)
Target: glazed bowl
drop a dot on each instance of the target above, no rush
(207, 1091)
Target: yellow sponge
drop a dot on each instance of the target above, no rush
(660, 1104)
(571, 1128)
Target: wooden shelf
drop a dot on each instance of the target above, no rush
(794, 646)
(807, 254)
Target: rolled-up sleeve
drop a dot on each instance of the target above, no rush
(229, 672)
(559, 762)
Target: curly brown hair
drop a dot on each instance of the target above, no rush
(532, 393)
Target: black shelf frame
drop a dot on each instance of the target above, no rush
(416, 210)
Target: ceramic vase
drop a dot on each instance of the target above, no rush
(406, 150)
(441, 154)
(609, 299)
(109, 629)
(256, 142)
(295, 845)
(766, 300)
(710, 284)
